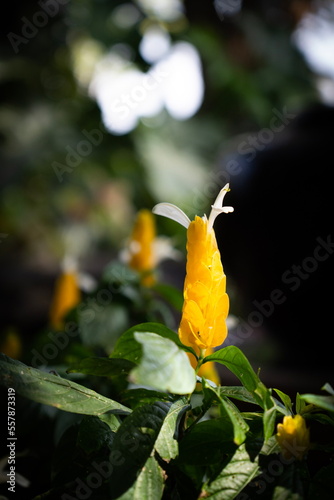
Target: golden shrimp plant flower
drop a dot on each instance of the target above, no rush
(145, 249)
(141, 254)
(293, 437)
(67, 294)
(206, 303)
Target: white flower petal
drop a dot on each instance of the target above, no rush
(172, 212)
(217, 208)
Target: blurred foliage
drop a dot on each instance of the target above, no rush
(249, 66)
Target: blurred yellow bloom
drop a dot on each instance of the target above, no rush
(206, 303)
(207, 370)
(293, 437)
(11, 344)
(66, 295)
(141, 251)
(145, 249)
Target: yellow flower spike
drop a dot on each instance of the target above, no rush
(66, 295)
(141, 250)
(206, 303)
(293, 437)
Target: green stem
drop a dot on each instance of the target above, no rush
(200, 360)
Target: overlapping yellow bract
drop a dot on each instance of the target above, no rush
(206, 303)
(293, 437)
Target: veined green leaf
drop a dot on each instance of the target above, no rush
(237, 392)
(215, 437)
(234, 477)
(164, 366)
(240, 427)
(52, 390)
(166, 445)
(149, 484)
(133, 444)
(128, 348)
(234, 359)
(102, 367)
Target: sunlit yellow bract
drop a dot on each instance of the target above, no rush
(293, 437)
(66, 296)
(206, 303)
(141, 246)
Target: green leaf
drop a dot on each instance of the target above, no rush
(207, 442)
(93, 434)
(111, 420)
(300, 404)
(52, 390)
(286, 399)
(163, 366)
(133, 444)
(240, 427)
(102, 325)
(328, 388)
(102, 367)
(234, 359)
(234, 477)
(269, 420)
(324, 402)
(237, 392)
(166, 444)
(171, 294)
(128, 348)
(119, 276)
(139, 397)
(270, 446)
(149, 484)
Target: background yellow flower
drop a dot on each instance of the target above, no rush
(293, 437)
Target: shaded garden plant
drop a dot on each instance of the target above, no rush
(160, 425)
